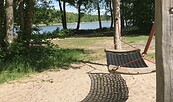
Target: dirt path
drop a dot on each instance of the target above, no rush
(73, 85)
(63, 86)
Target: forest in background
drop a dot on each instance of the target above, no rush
(71, 17)
(136, 14)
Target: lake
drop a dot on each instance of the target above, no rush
(87, 25)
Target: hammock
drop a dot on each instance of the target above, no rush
(131, 58)
(127, 62)
(107, 87)
(116, 59)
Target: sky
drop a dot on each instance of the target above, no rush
(68, 8)
(72, 9)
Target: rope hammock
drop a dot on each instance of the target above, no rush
(121, 60)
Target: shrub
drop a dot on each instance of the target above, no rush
(20, 60)
(63, 33)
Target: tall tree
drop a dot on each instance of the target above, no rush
(28, 20)
(164, 50)
(21, 18)
(94, 5)
(122, 14)
(2, 24)
(63, 13)
(111, 12)
(29, 16)
(9, 20)
(117, 24)
(99, 17)
(45, 15)
(81, 6)
(79, 3)
(143, 14)
(109, 9)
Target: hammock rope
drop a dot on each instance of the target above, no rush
(152, 32)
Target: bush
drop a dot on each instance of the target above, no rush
(63, 33)
(18, 60)
(2, 54)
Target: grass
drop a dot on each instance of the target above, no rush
(134, 38)
(93, 44)
(21, 62)
(82, 42)
(38, 59)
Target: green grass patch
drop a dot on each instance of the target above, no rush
(78, 42)
(94, 44)
(84, 42)
(38, 59)
(135, 38)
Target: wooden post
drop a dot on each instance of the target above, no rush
(117, 24)
(164, 50)
(153, 31)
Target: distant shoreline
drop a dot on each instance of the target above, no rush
(59, 24)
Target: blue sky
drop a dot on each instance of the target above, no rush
(72, 9)
(68, 8)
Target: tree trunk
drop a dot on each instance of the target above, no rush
(117, 25)
(2, 24)
(9, 20)
(134, 13)
(62, 16)
(125, 20)
(79, 15)
(21, 19)
(28, 20)
(111, 11)
(29, 15)
(122, 15)
(99, 17)
(64, 11)
(164, 50)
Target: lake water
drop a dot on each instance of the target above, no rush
(87, 25)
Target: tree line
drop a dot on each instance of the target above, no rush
(24, 13)
(49, 16)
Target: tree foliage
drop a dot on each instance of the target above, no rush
(45, 15)
(138, 13)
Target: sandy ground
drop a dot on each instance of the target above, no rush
(73, 85)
